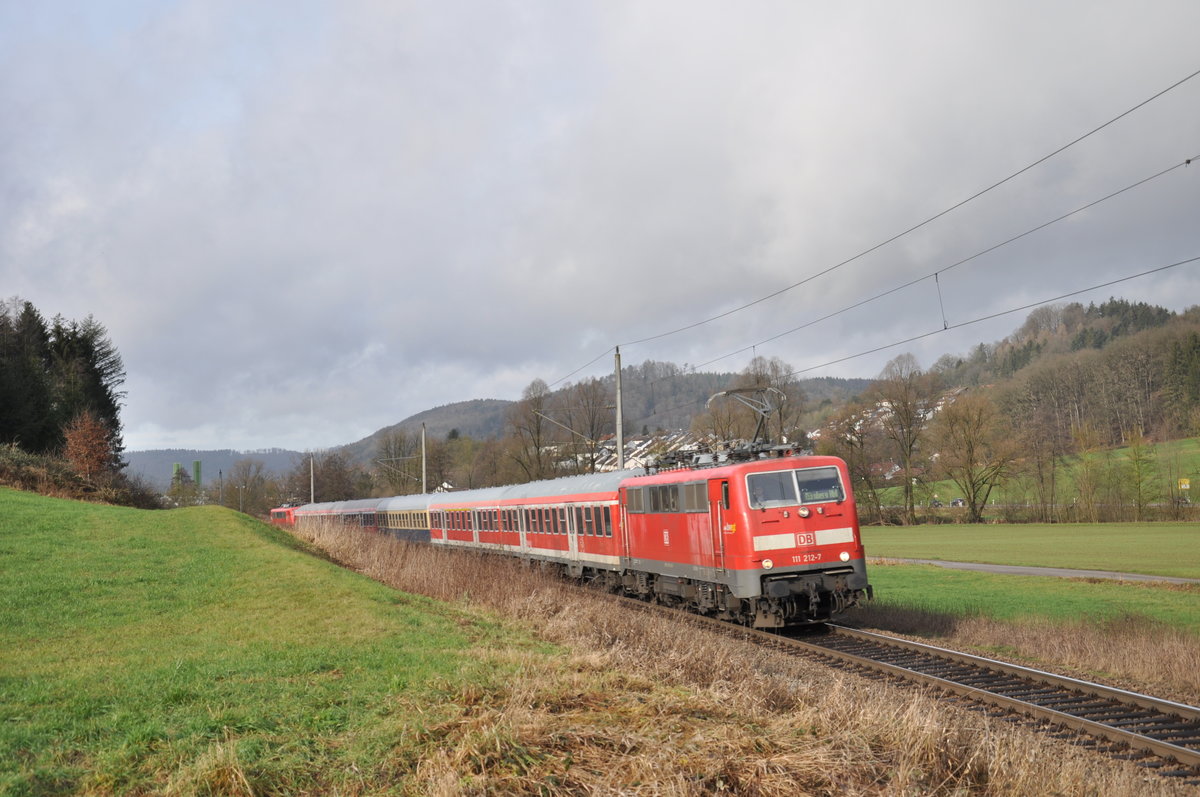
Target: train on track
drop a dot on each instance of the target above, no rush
(768, 540)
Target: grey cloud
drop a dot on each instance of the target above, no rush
(301, 222)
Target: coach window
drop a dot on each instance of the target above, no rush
(607, 519)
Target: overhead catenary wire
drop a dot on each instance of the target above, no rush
(911, 229)
(950, 327)
(943, 270)
(921, 224)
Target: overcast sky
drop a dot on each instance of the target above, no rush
(302, 221)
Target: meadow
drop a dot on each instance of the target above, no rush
(199, 651)
(1161, 549)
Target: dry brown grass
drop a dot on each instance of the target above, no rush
(641, 705)
(1130, 652)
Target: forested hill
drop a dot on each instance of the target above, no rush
(1053, 330)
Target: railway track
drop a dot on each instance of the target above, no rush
(1161, 735)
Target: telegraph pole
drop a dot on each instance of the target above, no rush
(620, 418)
(424, 487)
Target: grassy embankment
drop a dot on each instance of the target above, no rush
(199, 652)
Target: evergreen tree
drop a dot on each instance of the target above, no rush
(25, 391)
(51, 375)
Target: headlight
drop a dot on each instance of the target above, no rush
(844, 556)
(804, 511)
(767, 564)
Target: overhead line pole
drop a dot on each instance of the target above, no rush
(620, 418)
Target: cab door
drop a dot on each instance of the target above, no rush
(718, 507)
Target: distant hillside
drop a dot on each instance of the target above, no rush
(1052, 330)
(479, 418)
(157, 466)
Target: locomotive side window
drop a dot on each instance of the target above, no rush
(634, 500)
(664, 498)
(695, 497)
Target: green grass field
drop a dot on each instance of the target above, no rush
(963, 593)
(1163, 549)
(1166, 549)
(197, 651)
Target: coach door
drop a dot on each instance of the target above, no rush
(718, 505)
(574, 529)
(517, 519)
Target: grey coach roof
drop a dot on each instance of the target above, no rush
(549, 488)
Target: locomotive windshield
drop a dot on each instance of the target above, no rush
(792, 487)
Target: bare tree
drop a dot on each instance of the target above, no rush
(855, 435)
(975, 448)
(398, 462)
(1142, 472)
(332, 477)
(249, 489)
(589, 417)
(533, 433)
(906, 398)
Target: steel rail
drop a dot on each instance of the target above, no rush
(1154, 715)
(1092, 709)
